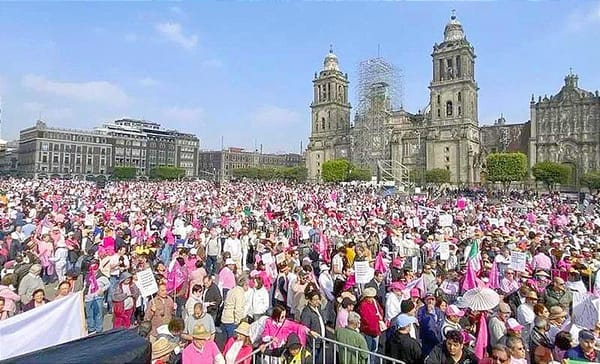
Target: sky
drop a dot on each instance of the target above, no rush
(242, 72)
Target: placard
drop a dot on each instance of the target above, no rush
(415, 263)
(267, 258)
(585, 310)
(518, 261)
(444, 250)
(146, 282)
(280, 258)
(494, 222)
(445, 220)
(363, 273)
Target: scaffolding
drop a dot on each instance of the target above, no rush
(380, 92)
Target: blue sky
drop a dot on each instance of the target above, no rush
(243, 70)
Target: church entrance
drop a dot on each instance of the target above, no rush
(573, 177)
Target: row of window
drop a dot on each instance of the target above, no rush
(74, 137)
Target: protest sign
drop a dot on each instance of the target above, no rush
(444, 250)
(146, 282)
(518, 261)
(363, 273)
(445, 220)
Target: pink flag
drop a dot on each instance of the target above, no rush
(415, 283)
(494, 279)
(169, 237)
(323, 247)
(175, 278)
(379, 264)
(470, 281)
(482, 337)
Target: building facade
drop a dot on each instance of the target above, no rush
(56, 152)
(445, 135)
(501, 137)
(219, 164)
(140, 144)
(565, 128)
(330, 117)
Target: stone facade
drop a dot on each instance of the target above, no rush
(565, 128)
(330, 117)
(502, 137)
(445, 135)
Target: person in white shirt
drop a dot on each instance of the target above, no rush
(393, 301)
(259, 300)
(525, 314)
(326, 282)
(233, 245)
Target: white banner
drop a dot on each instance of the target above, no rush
(444, 251)
(146, 282)
(446, 220)
(518, 261)
(363, 273)
(52, 324)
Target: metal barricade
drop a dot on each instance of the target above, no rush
(327, 351)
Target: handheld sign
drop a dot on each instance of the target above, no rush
(146, 282)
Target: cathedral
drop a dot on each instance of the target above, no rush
(446, 135)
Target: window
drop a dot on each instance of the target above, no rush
(447, 168)
(459, 111)
(458, 67)
(447, 159)
(459, 97)
(439, 113)
(55, 158)
(439, 99)
(323, 124)
(447, 149)
(449, 108)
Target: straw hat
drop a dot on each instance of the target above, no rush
(370, 292)
(162, 347)
(243, 329)
(200, 332)
(556, 312)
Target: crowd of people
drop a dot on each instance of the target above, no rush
(286, 269)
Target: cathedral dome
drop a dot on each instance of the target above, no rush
(454, 30)
(331, 61)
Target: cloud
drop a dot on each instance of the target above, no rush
(183, 115)
(101, 92)
(131, 37)
(56, 115)
(584, 17)
(275, 116)
(148, 82)
(173, 32)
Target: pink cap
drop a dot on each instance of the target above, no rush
(452, 310)
(513, 325)
(396, 285)
(415, 292)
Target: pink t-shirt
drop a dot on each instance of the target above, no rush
(208, 353)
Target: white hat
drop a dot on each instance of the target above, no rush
(193, 251)
(229, 261)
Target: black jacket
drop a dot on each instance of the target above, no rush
(440, 355)
(310, 319)
(405, 348)
(213, 294)
(380, 288)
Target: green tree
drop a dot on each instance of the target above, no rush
(335, 170)
(592, 180)
(124, 173)
(437, 176)
(297, 174)
(550, 173)
(359, 174)
(167, 173)
(506, 167)
(416, 176)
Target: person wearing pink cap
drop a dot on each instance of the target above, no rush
(453, 315)
(393, 300)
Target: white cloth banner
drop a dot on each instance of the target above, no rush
(52, 324)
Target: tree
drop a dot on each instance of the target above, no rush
(506, 167)
(416, 176)
(550, 173)
(437, 175)
(167, 173)
(124, 173)
(359, 174)
(592, 180)
(335, 170)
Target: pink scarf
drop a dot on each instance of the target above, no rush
(91, 279)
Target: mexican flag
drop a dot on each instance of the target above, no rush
(474, 257)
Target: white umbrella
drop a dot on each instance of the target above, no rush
(481, 299)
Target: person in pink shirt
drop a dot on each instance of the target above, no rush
(541, 261)
(509, 284)
(45, 252)
(227, 277)
(202, 350)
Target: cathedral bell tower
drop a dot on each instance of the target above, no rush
(453, 141)
(330, 117)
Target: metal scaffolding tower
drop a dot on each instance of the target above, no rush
(379, 93)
